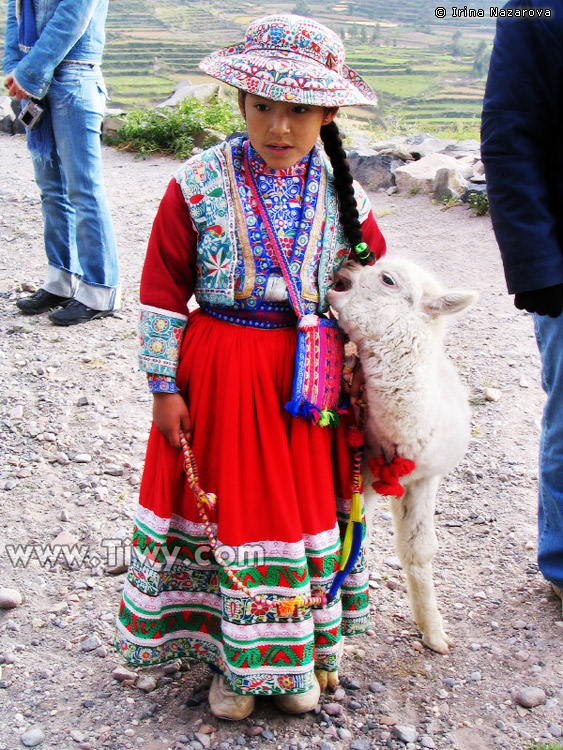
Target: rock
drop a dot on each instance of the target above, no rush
(83, 401)
(376, 687)
(91, 643)
(7, 116)
(555, 730)
(32, 737)
(530, 697)
(254, 731)
(82, 458)
(116, 570)
(77, 735)
(424, 145)
(111, 125)
(419, 176)
(113, 470)
(204, 92)
(492, 394)
(469, 147)
(449, 184)
(65, 539)
(373, 170)
(146, 683)
(333, 709)
(404, 732)
(360, 744)
(427, 741)
(209, 137)
(10, 598)
(203, 739)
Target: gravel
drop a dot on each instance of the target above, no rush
(74, 420)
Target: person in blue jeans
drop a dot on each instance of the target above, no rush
(52, 54)
(522, 150)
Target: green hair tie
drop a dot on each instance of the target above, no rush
(362, 251)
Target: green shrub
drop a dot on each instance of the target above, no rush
(176, 131)
(478, 203)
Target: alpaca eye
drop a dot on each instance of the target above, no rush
(388, 280)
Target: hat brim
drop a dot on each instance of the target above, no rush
(284, 76)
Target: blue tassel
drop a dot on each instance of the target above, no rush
(340, 577)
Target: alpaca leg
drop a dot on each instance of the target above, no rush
(416, 544)
(372, 501)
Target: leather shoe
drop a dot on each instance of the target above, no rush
(226, 704)
(299, 703)
(40, 302)
(76, 312)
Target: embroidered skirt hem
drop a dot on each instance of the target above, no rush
(277, 480)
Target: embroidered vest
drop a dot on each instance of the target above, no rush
(226, 269)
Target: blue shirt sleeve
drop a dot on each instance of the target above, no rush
(65, 27)
(12, 54)
(522, 145)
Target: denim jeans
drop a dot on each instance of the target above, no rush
(78, 230)
(549, 335)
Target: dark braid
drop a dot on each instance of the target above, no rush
(349, 216)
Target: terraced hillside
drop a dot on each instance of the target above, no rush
(429, 72)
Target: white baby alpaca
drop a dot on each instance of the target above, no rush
(417, 407)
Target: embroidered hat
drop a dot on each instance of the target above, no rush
(291, 59)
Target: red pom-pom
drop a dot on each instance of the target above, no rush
(387, 475)
(355, 438)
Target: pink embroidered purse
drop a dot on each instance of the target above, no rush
(315, 392)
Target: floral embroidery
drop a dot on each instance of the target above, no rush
(231, 242)
(160, 334)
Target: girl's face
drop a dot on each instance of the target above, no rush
(282, 132)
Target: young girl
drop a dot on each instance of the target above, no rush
(256, 228)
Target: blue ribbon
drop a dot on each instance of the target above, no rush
(27, 30)
(40, 138)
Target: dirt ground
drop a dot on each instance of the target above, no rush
(74, 420)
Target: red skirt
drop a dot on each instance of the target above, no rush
(278, 481)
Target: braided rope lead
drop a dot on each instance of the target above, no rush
(285, 607)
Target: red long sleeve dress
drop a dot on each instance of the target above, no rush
(279, 480)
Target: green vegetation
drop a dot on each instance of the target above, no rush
(544, 746)
(478, 203)
(429, 73)
(176, 131)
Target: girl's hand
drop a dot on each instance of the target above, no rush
(170, 415)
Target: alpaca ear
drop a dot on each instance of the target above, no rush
(453, 301)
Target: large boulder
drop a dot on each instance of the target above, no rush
(373, 170)
(423, 145)
(469, 147)
(113, 120)
(203, 92)
(449, 183)
(419, 176)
